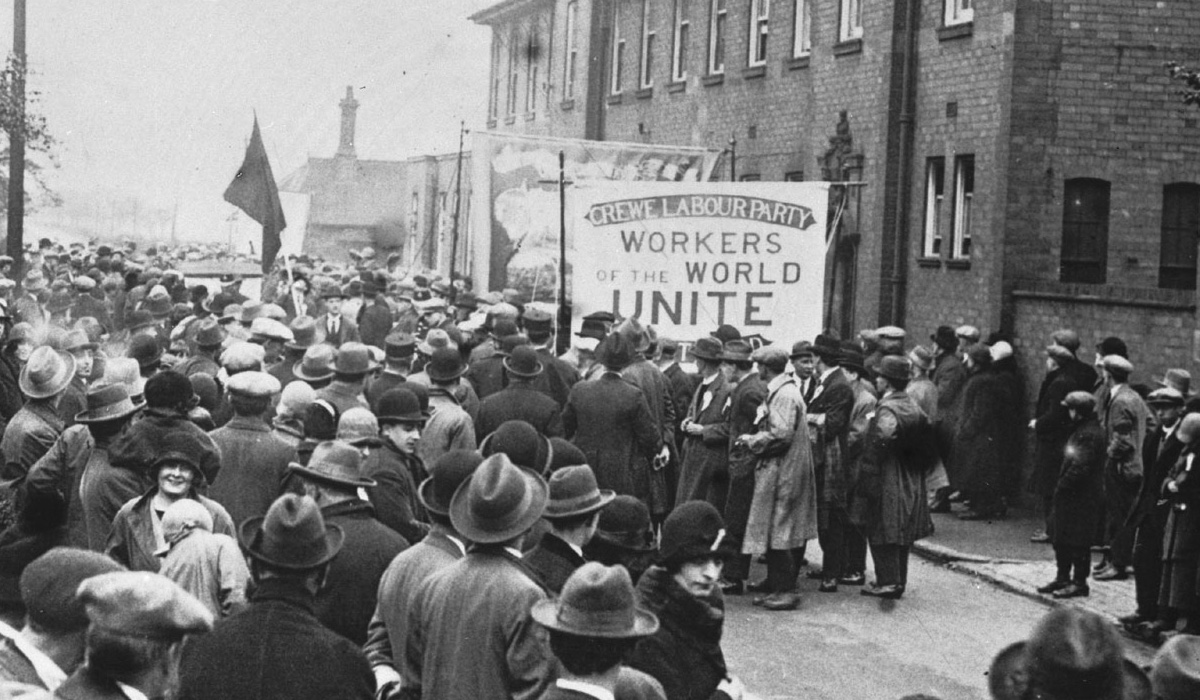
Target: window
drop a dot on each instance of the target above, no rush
(964, 193)
(572, 56)
(648, 36)
(716, 37)
(935, 193)
(802, 34)
(1180, 234)
(760, 11)
(533, 52)
(618, 51)
(497, 78)
(514, 70)
(683, 34)
(794, 176)
(959, 11)
(1085, 231)
(750, 177)
(851, 20)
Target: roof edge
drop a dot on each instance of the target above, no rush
(503, 9)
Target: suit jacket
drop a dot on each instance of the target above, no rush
(1124, 419)
(274, 650)
(487, 376)
(554, 561)
(558, 377)
(744, 399)
(1159, 455)
(375, 322)
(705, 457)
(254, 466)
(347, 331)
(608, 420)
(828, 425)
(520, 401)
(343, 395)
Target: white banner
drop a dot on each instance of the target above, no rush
(688, 257)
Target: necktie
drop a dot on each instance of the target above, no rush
(333, 325)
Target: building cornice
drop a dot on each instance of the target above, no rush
(505, 10)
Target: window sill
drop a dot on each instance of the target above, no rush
(567, 105)
(510, 119)
(711, 80)
(958, 264)
(796, 63)
(645, 93)
(614, 99)
(677, 86)
(956, 31)
(848, 47)
(929, 262)
(530, 116)
(754, 72)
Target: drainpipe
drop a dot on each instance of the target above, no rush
(908, 98)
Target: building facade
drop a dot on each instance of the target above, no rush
(1019, 165)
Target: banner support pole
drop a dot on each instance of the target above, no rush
(564, 314)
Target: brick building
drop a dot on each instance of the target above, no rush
(1026, 163)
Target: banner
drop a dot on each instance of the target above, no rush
(515, 212)
(686, 258)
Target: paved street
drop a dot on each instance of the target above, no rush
(939, 640)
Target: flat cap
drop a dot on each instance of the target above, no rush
(890, 333)
(971, 333)
(48, 585)
(772, 356)
(269, 328)
(142, 604)
(1117, 365)
(242, 356)
(84, 283)
(253, 384)
(1067, 338)
(1165, 396)
(1059, 352)
(1080, 399)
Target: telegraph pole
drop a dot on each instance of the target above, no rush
(16, 145)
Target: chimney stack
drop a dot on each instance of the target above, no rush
(349, 106)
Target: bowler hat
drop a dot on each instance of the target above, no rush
(316, 365)
(399, 346)
(209, 333)
(292, 535)
(499, 502)
(400, 405)
(523, 362)
(48, 585)
(726, 333)
(46, 373)
(707, 348)
(597, 601)
(334, 462)
(1175, 674)
(108, 402)
(945, 338)
(448, 473)
(573, 491)
(353, 358)
(146, 350)
(143, 605)
(827, 348)
(736, 351)
(592, 328)
(693, 530)
(304, 333)
(564, 453)
(333, 291)
(523, 444)
(895, 367)
(1112, 345)
(625, 523)
(447, 364)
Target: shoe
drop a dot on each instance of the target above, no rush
(1113, 574)
(759, 599)
(1072, 590)
(1100, 566)
(758, 587)
(733, 587)
(828, 586)
(1151, 631)
(1106, 569)
(854, 579)
(782, 601)
(888, 592)
(1039, 536)
(815, 575)
(1053, 586)
(1133, 619)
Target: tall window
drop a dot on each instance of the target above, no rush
(716, 36)
(1180, 234)
(850, 24)
(533, 52)
(935, 194)
(683, 34)
(648, 37)
(514, 70)
(497, 78)
(572, 55)
(760, 11)
(1085, 230)
(618, 51)
(802, 29)
(958, 11)
(964, 194)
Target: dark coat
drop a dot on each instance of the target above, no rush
(987, 435)
(132, 543)
(685, 653)
(275, 649)
(950, 376)
(608, 420)
(632, 684)
(487, 376)
(520, 401)
(29, 435)
(829, 423)
(103, 489)
(197, 364)
(137, 447)
(1160, 452)
(557, 378)
(395, 493)
(382, 384)
(553, 561)
(347, 601)
(1079, 491)
(61, 471)
(374, 322)
(72, 402)
(11, 398)
(705, 457)
(1053, 427)
(1181, 536)
(284, 369)
(254, 467)
(683, 386)
(890, 503)
(86, 685)
(347, 331)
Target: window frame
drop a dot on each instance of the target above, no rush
(649, 35)
(956, 12)
(513, 81)
(1080, 269)
(760, 29)
(532, 56)
(1178, 235)
(802, 29)
(617, 65)
(961, 207)
(850, 18)
(935, 197)
(681, 35)
(571, 50)
(497, 55)
(718, 31)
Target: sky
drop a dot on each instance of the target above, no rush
(152, 101)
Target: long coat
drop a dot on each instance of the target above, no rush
(471, 634)
(254, 467)
(1159, 454)
(487, 376)
(986, 435)
(1052, 428)
(553, 561)
(1181, 537)
(783, 514)
(11, 398)
(61, 471)
(1125, 418)
(890, 503)
(394, 495)
(1075, 517)
(103, 489)
(374, 322)
(449, 428)
(950, 376)
(609, 421)
(274, 650)
(705, 457)
(519, 401)
(137, 531)
(828, 418)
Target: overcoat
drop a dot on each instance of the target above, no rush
(1075, 516)
(608, 420)
(449, 428)
(487, 376)
(254, 466)
(383, 383)
(137, 531)
(29, 435)
(828, 418)
(1181, 537)
(275, 649)
(137, 447)
(744, 401)
(783, 514)
(73, 401)
(949, 375)
(374, 322)
(1052, 428)
(1159, 454)
(890, 504)
(558, 377)
(705, 457)
(395, 494)
(343, 395)
(985, 435)
(1125, 419)
(61, 471)
(519, 401)
(553, 561)
(103, 489)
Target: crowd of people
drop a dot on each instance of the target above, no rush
(373, 484)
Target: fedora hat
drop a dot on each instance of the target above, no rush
(108, 402)
(1165, 396)
(78, 340)
(434, 339)
(447, 364)
(614, 352)
(448, 473)
(292, 535)
(573, 491)
(707, 348)
(736, 350)
(597, 601)
(334, 462)
(353, 358)
(827, 348)
(1179, 379)
(1175, 674)
(522, 443)
(210, 334)
(159, 305)
(34, 281)
(523, 362)
(146, 350)
(47, 372)
(499, 502)
(625, 523)
(304, 333)
(400, 405)
(316, 365)
(801, 348)
(895, 367)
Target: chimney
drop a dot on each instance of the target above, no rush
(349, 107)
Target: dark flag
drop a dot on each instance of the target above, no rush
(253, 190)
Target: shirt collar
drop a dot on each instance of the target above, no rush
(131, 692)
(1169, 431)
(514, 551)
(50, 674)
(707, 381)
(826, 373)
(593, 690)
(462, 546)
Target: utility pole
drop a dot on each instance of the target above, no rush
(733, 157)
(462, 131)
(16, 145)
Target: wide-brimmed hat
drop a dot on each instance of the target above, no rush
(895, 367)
(78, 340)
(159, 305)
(707, 348)
(499, 502)
(597, 601)
(447, 364)
(436, 338)
(400, 405)
(1166, 396)
(108, 402)
(304, 333)
(334, 462)
(316, 365)
(1179, 379)
(573, 491)
(1071, 653)
(736, 350)
(523, 362)
(353, 358)
(1175, 674)
(448, 473)
(293, 535)
(47, 372)
(209, 333)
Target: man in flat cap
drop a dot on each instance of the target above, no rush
(559, 376)
(1124, 417)
(890, 341)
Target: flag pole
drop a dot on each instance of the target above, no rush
(462, 130)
